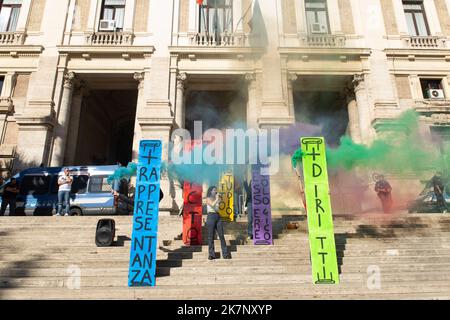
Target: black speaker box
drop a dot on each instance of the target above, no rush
(105, 233)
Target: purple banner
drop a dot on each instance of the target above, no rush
(262, 212)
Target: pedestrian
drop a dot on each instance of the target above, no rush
(439, 188)
(214, 223)
(248, 204)
(9, 197)
(384, 192)
(64, 187)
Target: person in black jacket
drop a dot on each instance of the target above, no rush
(438, 187)
(9, 197)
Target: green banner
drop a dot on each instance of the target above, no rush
(320, 219)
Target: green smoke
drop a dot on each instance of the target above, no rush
(123, 172)
(400, 149)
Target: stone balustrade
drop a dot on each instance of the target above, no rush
(324, 40)
(12, 38)
(425, 42)
(224, 39)
(109, 38)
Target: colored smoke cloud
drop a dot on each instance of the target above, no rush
(401, 149)
(123, 172)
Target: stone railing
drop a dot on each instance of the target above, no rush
(109, 38)
(324, 40)
(12, 38)
(425, 42)
(224, 39)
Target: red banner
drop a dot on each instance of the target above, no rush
(192, 214)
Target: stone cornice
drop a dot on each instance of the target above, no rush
(212, 50)
(22, 50)
(412, 53)
(334, 52)
(137, 50)
(432, 106)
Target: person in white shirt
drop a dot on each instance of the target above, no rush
(64, 187)
(214, 223)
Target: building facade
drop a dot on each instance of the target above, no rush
(82, 81)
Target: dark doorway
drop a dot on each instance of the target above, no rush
(106, 129)
(326, 109)
(216, 109)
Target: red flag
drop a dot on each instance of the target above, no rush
(200, 2)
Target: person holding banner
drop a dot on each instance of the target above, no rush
(214, 223)
(248, 204)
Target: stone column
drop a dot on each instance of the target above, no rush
(292, 77)
(180, 103)
(252, 103)
(363, 107)
(63, 121)
(74, 126)
(353, 117)
(139, 77)
(6, 108)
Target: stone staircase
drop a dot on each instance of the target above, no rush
(409, 254)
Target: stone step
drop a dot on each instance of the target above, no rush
(239, 250)
(236, 293)
(353, 280)
(368, 260)
(242, 262)
(245, 247)
(210, 269)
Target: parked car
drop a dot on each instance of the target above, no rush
(91, 194)
(426, 201)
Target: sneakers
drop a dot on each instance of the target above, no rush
(57, 215)
(66, 215)
(228, 256)
(211, 258)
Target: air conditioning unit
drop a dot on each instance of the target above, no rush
(435, 94)
(107, 25)
(318, 28)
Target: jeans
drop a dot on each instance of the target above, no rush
(214, 223)
(63, 199)
(12, 206)
(250, 220)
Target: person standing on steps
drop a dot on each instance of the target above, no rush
(214, 223)
(438, 188)
(384, 192)
(64, 187)
(9, 197)
(248, 204)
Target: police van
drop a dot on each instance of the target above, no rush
(91, 194)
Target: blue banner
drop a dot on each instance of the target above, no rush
(142, 269)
